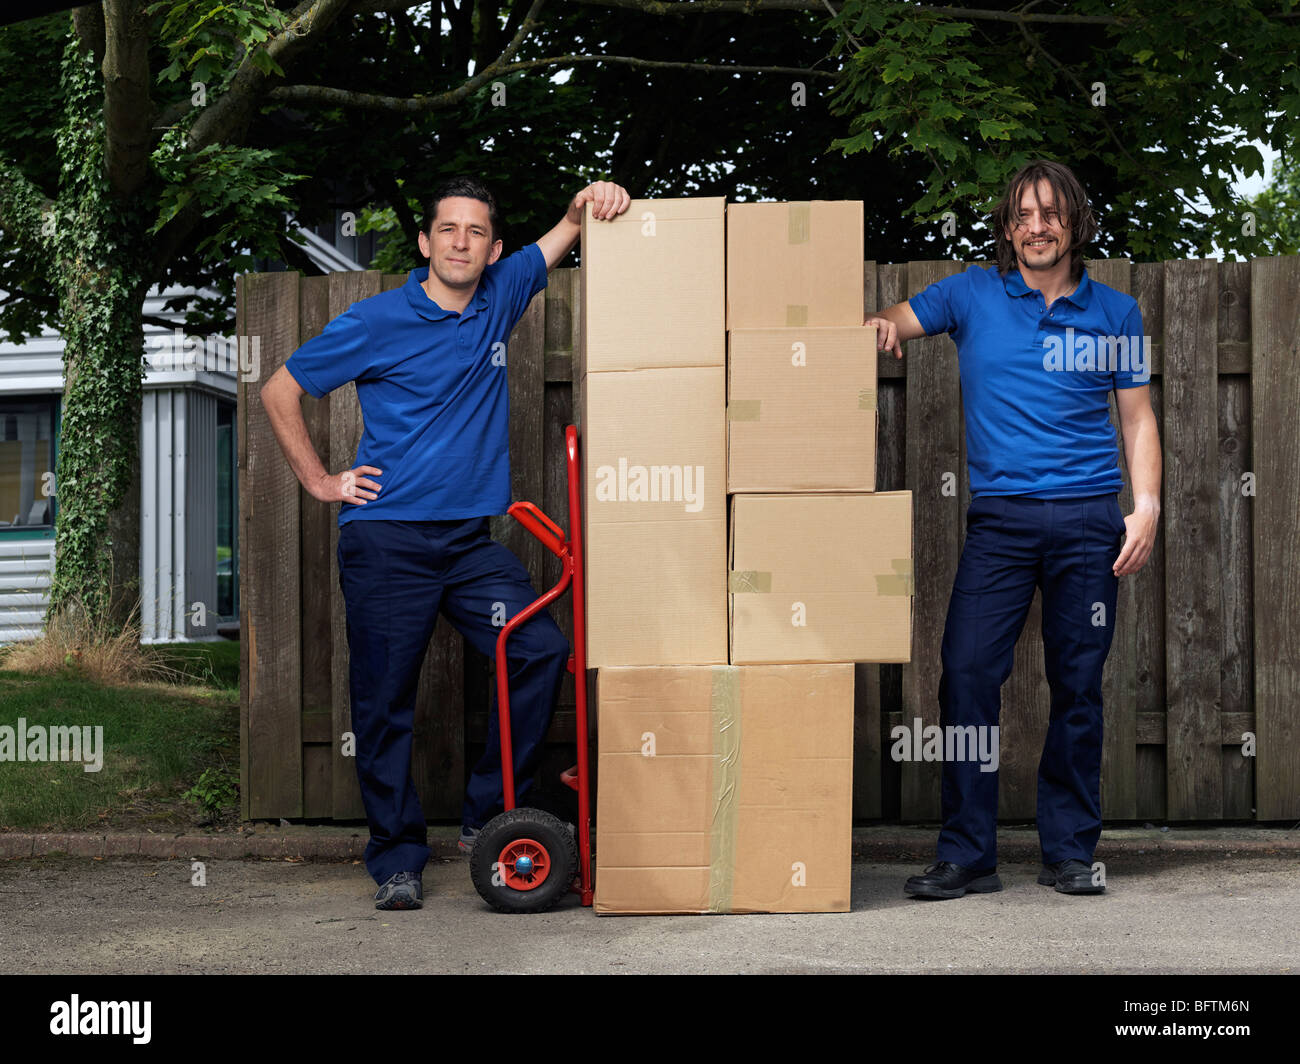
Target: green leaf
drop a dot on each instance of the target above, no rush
(992, 129)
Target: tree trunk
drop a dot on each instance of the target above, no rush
(101, 269)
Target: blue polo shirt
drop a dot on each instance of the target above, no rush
(1035, 379)
(433, 391)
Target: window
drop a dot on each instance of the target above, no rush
(27, 456)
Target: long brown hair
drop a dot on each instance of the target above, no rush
(1071, 202)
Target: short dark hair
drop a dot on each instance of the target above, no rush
(1071, 201)
(470, 188)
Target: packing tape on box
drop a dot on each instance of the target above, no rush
(798, 223)
(899, 582)
(725, 704)
(867, 399)
(743, 581)
(796, 314)
(743, 409)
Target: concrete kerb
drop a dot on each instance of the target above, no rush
(335, 843)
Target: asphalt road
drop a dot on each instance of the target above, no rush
(1162, 913)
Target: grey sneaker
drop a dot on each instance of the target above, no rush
(468, 837)
(401, 891)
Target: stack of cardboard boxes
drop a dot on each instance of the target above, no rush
(724, 648)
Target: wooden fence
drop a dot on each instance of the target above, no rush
(1207, 644)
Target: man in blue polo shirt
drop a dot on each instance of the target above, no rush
(429, 362)
(1040, 348)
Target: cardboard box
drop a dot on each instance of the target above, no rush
(654, 474)
(821, 577)
(794, 264)
(653, 287)
(801, 409)
(724, 789)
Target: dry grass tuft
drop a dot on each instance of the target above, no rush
(73, 640)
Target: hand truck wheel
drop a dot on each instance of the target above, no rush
(524, 861)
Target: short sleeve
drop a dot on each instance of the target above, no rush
(941, 307)
(1133, 361)
(340, 353)
(521, 275)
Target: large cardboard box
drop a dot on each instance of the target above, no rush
(801, 409)
(794, 264)
(653, 287)
(724, 789)
(654, 473)
(821, 577)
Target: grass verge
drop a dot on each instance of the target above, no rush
(159, 738)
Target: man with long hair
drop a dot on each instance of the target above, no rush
(1040, 347)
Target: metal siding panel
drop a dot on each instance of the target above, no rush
(166, 462)
(180, 416)
(200, 511)
(26, 567)
(149, 517)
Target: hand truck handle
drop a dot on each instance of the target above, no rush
(547, 531)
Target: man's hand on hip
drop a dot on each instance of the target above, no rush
(347, 486)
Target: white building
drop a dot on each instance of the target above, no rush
(189, 546)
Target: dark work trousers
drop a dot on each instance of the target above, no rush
(395, 577)
(1067, 548)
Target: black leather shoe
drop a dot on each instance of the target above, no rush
(948, 880)
(1070, 877)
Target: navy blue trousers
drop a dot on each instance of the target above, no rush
(1014, 544)
(395, 577)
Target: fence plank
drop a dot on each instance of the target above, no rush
(555, 503)
(1235, 690)
(526, 369)
(241, 466)
(1193, 616)
(345, 433)
(1275, 397)
(561, 340)
(1119, 685)
(866, 677)
(560, 325)
(1148, 280)
(314, 522)
(933, 448)
(270, 604)
(891, 455)
(1149, 583)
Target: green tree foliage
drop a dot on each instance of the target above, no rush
(1153, 103)
(1277, 208)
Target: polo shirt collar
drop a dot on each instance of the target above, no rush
(1080, 297)
(428, 308)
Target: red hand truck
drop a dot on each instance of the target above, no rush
(525, 860)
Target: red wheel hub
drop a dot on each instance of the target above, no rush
(524, 864)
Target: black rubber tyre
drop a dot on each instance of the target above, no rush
(551, 833)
